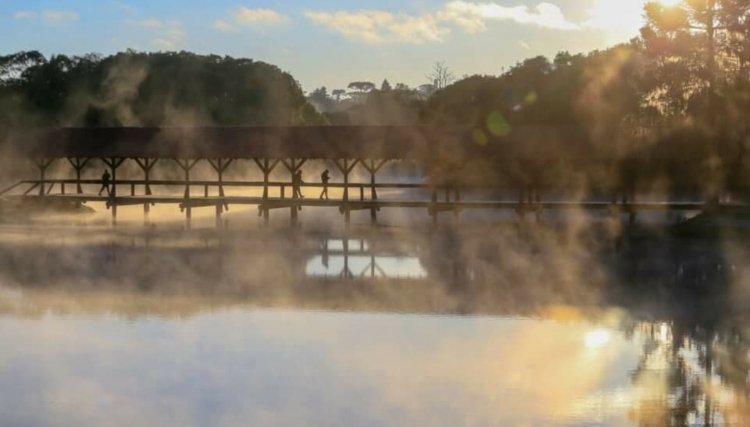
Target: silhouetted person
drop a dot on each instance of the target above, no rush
(105, 183)
(324, 178)
(297, 183)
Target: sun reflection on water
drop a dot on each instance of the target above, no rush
(597, 338)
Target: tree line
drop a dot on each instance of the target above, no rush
(148, 89)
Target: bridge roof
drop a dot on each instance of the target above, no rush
(313, 142)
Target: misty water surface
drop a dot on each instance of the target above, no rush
(374, 327)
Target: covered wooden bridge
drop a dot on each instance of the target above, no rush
(347, 147)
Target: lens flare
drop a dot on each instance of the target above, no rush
(596, 339)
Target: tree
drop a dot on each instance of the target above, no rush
(441, 76)
(338, 93)
(13, 66)
(362, 86)
(148, 89)
(385, 87)
(360, 90)
(426, 90)
(696, 45)
(320, 99)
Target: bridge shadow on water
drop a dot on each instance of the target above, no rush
(688, 297)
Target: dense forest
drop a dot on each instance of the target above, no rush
(148, 89)
(680, 91)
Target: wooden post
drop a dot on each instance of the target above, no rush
(631, 209)
(346, 168)
(373, 167)
(186, 166)
(220, 165)
(78, 164)
(146, 165)
(42, 164)
(219, 208)
(113, 163)
(433, 206)
(521, 207)
(266, 167)
(293, 166)
(295, 189)
(457, 200)
(347, 273)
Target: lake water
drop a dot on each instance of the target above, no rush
(375, 327)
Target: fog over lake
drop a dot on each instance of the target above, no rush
(372, 327)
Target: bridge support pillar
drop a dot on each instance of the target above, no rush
(266, 167)
(433, 211)
(146, 165)
(373, 167)
(187, 166)
(346, 168)
(628, 201)
(219, 209)
(457, 200)
(42, 164)
(78, 164)
(113, 163)
(294, 166)
(220, 166)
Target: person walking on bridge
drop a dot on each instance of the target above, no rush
(296, 184)
(105, 183)
(324, 178)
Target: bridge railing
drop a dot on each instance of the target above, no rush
(135, 184)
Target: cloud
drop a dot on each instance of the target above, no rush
(24, 14)
(164, 35)
(379, 27)
(472, 17)
(616, 15)
(53, 17)
(224, 26)
(171, 36)
(124, 7)
(58, 16)
(149, 23)
(247, 17)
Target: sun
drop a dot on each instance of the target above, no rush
(597, 338)
(616, 18)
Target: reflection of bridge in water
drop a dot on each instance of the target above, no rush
(404, 272)
(672, 293)
(442, 155)
(347, 258)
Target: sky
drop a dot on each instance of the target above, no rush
(327, 42)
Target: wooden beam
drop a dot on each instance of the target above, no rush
(188, 164)
(43, 164)
(227, 164)
(261, 166)
(36, 184)
(78, 165)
